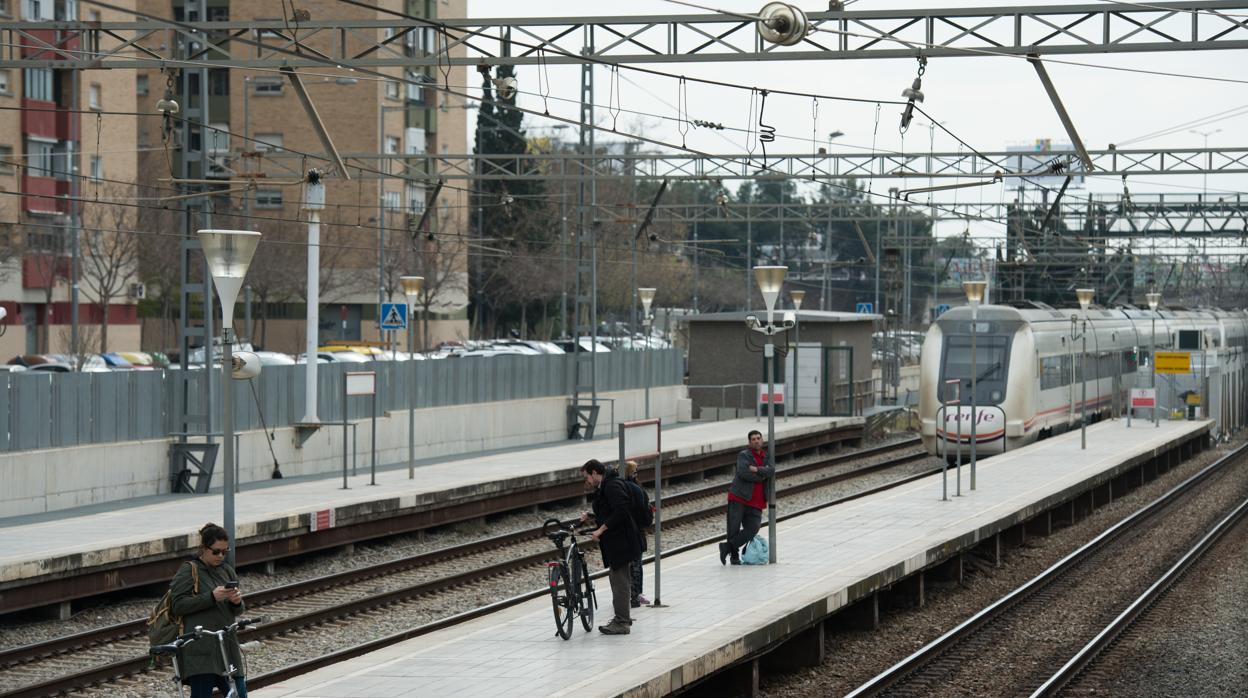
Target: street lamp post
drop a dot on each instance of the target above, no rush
(974, 295)
(228, 253)
(1154, 300)
(412, 286)
(798, 297)
(1085, 296)
(314, 203)
(770, 279)
(646, 296)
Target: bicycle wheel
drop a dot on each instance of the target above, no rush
(586, 587)
(561, 592)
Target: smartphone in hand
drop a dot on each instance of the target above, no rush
(232, 584)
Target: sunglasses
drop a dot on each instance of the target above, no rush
(218, 551)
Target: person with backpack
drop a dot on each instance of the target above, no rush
(747, 497)
(643, 516)
(205, 593)
(617, 536)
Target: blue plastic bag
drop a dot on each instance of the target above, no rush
(755, 552)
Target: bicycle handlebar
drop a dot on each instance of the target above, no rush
(198, 632)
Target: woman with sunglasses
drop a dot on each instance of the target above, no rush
(214, 607)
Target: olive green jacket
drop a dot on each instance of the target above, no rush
(203, 656)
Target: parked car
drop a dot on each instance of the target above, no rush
(12, 368)
(52, 367)
(116, 361)
(351, 357)
(274, 358)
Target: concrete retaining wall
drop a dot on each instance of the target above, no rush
(47, 480)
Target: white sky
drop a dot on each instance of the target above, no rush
(990, 102)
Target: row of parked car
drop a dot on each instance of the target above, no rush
(331, 353)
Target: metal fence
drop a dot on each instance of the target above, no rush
(52, 410)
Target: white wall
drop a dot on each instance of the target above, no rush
(55, 479)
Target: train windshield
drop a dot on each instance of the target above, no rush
(992, 358)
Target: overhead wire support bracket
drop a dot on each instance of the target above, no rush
(315, 118)
(1069, 125)
(424, 215)
(645, 223)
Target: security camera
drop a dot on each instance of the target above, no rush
(790, 319)
(244, 365)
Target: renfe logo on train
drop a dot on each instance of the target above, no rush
(981, 416)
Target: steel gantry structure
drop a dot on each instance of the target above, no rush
(847, 34)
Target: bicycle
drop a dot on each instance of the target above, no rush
(571, 589)
(180, 641)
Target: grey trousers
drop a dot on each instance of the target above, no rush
(743, 524)
(621, 590)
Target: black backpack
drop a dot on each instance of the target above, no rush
(639, 505)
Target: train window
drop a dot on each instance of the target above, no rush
(1051, 374)
(992, 354)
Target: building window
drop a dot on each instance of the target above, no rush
(39, 84)
(392, 89)
(37, 10)
(415, 90)
(5, 85)
(392, 200)
(219, 82)
(268, 141)
(66, 10)
(40, 157)
(218, 138)
(5, 11)
(392, 145)
(268, 198)
(140, 85)
(415, 199)
(268, 87)
(97, 167)
(6, 160)
(93, 96)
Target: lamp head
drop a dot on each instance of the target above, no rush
(974, 291)
(770, 279)
(412, 285)
(1154, 300)
(229, 253)
(244, 365)
(646, 296)
(751, 321)
(1085, 296)
(798, 297)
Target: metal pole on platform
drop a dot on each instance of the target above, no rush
(314, 202)
(229, 253)
(1154, 299)
(974, 294)
(1085, 296)
(770, 279)
(412, 287)
(646, 296)
(798, 297)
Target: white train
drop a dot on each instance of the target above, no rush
(1028, 361)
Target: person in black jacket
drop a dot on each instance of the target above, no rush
(617, 537)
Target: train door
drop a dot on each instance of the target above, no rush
(838, 384)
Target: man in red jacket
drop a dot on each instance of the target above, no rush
(747, 497)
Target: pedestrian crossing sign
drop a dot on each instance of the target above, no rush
(394, 316)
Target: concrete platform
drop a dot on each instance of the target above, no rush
(44, 547)
(724, 617)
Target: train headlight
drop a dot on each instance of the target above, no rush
(995, 395)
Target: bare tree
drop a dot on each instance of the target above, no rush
(110, 255)
(441, 259)
(159, 259)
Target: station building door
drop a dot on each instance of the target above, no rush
(838, 381)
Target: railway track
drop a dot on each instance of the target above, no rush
(110, 654)
(1033, 609)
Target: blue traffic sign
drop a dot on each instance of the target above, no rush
(394, 316)
(867, 308)
(942, 309)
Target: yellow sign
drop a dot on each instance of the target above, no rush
(1173, 362)
(1193, 398)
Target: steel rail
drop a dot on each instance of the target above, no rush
(123, 631)
(931, 651)
(1140, 606)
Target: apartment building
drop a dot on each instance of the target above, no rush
(260, 142)
(51, 159)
